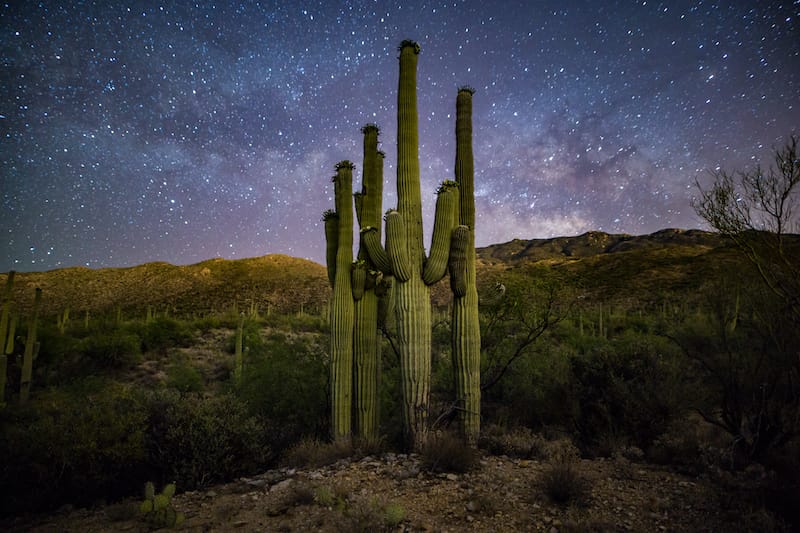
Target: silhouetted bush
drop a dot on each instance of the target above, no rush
(195, 440)
(116, 349)
(76, 444)
(183, 377)
(312, 453)
(561, 479)
(628, 392)
(163, 333)
(518, 442)
(447, 453)
(286, 384)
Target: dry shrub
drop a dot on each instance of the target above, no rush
(447, 453)
(314, 453)
(561, 480)
(519, 442)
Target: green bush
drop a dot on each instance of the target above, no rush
(163, 333)
(286, 384)
(196, 440)
(564, 484)
(111, 350)
(447, 453)
(629, 391)
(183, 377)
(75, 444)
(312, 453)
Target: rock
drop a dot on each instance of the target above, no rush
(451, 477)
(282, 485)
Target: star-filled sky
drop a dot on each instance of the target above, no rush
(180, 131)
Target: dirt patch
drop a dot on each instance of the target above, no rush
(393, 493)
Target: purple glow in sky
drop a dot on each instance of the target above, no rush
(168, 131)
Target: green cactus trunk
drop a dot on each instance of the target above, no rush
(30, 352)
(6, 333)
(466, 335)
(412, 296)
(238, 358)
(342, 312)
(366, 340)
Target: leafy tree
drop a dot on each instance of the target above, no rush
(532, 301)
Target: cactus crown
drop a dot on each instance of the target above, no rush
(345, 164)
(446, 186)
(381, 153)
(389, 212)
(370, 127)
(409, 43)
(329, 214)
(466, 89)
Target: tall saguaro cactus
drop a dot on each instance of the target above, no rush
(366, 345)
(6, 332)
(30, 351)
(404, 257)
(466, 335)
(342, 309)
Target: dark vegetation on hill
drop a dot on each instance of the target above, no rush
(621, 344)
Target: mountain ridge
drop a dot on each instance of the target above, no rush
(288, 284)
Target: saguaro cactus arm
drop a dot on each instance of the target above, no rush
(331, 221)
(397, 246)
(443, 223)
(371, 237)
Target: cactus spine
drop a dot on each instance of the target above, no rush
(342, 306)
(466, 336)
(30, 352)
(366, 345)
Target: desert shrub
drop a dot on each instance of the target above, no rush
(116, 349)
(368, 515)
(561, 479)
(628, 392)
(163, 333)
(311, 452)
(286, 384)
(74, 444)
(183, 377)
(196, 440)
(207, 323)
(744, 352)
(679, 446)
(538, 391)
(301, 322)
(518, 442)
(563, 483)
(445, 452)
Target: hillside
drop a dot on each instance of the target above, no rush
(134, 399)
(273, 282)
(601, 265)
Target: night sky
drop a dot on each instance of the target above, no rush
(179, 131)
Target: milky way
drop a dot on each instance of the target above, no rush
(169, 131)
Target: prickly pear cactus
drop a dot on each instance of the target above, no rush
(157, 508)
